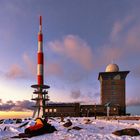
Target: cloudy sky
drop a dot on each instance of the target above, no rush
(81, 37)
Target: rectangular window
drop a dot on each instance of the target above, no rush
(113, 92)
(113, 83)
(113, 87)
(54, 110)
(50, 110)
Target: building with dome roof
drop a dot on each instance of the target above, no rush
(112, 87)
(112, 96)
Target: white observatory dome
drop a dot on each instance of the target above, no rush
(112, 68)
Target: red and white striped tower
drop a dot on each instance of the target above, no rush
(40, 87)
(40, 59)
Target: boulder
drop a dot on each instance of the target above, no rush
(76, 128)
(87, 121)
(68, 123)
(127, 131)
(18, 120)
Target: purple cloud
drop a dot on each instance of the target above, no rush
(24, 105)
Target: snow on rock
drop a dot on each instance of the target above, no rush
(93, 130)
(9, 121)
(31, 123)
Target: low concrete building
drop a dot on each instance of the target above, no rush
(78, 110)
(63, 109)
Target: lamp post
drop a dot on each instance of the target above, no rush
(108, 109)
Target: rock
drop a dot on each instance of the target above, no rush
(68, 123)
(87, 121)
(127, 131)
(101, 127)
(19, 121)
(1, 121)
(77, 128)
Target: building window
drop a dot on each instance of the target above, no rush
(113, 92)
(46, 110)
(54, 110)
(113, 87)
(50, 110)
(113, 83)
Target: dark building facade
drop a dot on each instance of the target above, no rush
(112, 86)
(97, 110)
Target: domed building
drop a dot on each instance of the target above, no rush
(112, 68)
(112, 86)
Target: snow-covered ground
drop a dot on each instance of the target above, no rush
(91, 130)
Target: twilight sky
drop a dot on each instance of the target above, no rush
(81, 37)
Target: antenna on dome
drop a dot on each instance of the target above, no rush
(112, 62)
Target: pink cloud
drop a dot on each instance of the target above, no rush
(15, 71)
(128, 33)
(108, 55)
(53, 69)
(119, 26)
(75, 49)
(123, 41)
(133, 102)
(30, 64)
(75, 94)
(132, 39)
